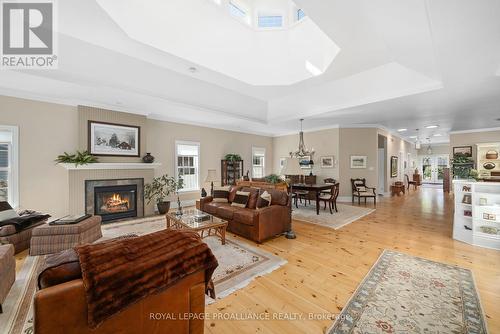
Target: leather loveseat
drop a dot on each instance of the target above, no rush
(250, 222)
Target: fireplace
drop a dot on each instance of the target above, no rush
(115, 199)
(115, 202)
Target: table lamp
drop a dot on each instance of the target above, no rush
(212, 177)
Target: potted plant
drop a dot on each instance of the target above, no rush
(159, 189)
(274, 179)
(232, 157)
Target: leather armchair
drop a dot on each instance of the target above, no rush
(62, 309)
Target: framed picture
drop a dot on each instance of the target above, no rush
(358, 161)
(327, 162)
(304, 162)
(463, 150)
(394, 166)
(109, 139)
(282, 162)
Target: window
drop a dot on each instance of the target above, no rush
(300, 14)
(236, 11)
(8, 165)
(269, 21)
(187, 164)
(258, 162)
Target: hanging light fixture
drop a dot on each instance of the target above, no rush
(429, 149)
(302, 151)
(417, 142)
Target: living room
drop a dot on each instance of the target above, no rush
(157, 179)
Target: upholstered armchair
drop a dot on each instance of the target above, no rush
(361, 190)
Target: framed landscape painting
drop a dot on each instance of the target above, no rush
(109, 139)
(358, 161)
(304, 162)
(463, 150)
(327, 162)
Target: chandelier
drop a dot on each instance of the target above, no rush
(302, 151)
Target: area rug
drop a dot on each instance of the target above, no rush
(407, 294)
(239, 264)
(346, 215)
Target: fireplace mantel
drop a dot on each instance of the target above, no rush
(112, 165)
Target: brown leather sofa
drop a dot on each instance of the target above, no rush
(249, 222)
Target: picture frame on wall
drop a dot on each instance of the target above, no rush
(358, 161)
(327, 161)
(304, 162)
(394, 166)
(282, 162)
(463, 150)
(110, 139)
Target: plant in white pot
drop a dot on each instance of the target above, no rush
(159, 189)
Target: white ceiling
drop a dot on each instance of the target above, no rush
(401, 64)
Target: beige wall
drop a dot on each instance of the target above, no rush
(357, 141)
(436, 149)
(472, 138)
(45, 131)
(214, 145)
(324, 142)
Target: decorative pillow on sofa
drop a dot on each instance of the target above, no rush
(6, 211)
(221, 194)
(264, 200)
(241, 199)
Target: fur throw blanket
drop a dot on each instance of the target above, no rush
(121, 272)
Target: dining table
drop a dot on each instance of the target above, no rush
(315, 188)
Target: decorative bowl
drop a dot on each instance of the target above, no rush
(489, 165)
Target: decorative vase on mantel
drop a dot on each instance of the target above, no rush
(148, 158)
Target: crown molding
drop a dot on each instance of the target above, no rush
(474, 130)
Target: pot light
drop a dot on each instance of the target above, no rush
(431, 126)
(193, 69)
(402, 130)
(437, 135)
(412, 137)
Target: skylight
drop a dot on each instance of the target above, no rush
(236, 11)
(300, 14)
(270, 21)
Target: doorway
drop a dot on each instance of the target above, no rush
(432, 167)
(382, 164)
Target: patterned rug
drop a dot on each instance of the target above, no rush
(407, 294)
(346, 215)
(239, 263)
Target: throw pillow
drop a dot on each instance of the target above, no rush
(264, 200)
(361, 188)
(6, 211)
(241, 199)
(221, 194)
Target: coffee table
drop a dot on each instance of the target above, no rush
(213, 226)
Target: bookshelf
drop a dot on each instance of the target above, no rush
(477, 213)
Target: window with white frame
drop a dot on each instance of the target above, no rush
(258, 162)
(8, 165)
(187, 159)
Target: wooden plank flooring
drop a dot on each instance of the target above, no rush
(326, 266)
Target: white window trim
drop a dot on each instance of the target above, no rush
(14, 161)
(254, 149)
(194, 143)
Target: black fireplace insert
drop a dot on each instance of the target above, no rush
(115, 202)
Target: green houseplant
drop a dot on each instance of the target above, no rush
(274, 179)
(160, 188)
(79, 158)
(232, 157)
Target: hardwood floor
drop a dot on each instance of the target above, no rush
(326, 266)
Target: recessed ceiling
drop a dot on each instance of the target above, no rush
(399, 64)
(203, 32)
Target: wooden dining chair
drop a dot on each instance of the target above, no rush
(408, 182)
(331, 198)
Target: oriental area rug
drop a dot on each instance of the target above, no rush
(407, 294)
(239, 263)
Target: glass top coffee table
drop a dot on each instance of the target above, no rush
(211, 226)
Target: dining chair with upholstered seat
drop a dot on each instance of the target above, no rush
(331, 198)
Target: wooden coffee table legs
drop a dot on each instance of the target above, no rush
(219, 231)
